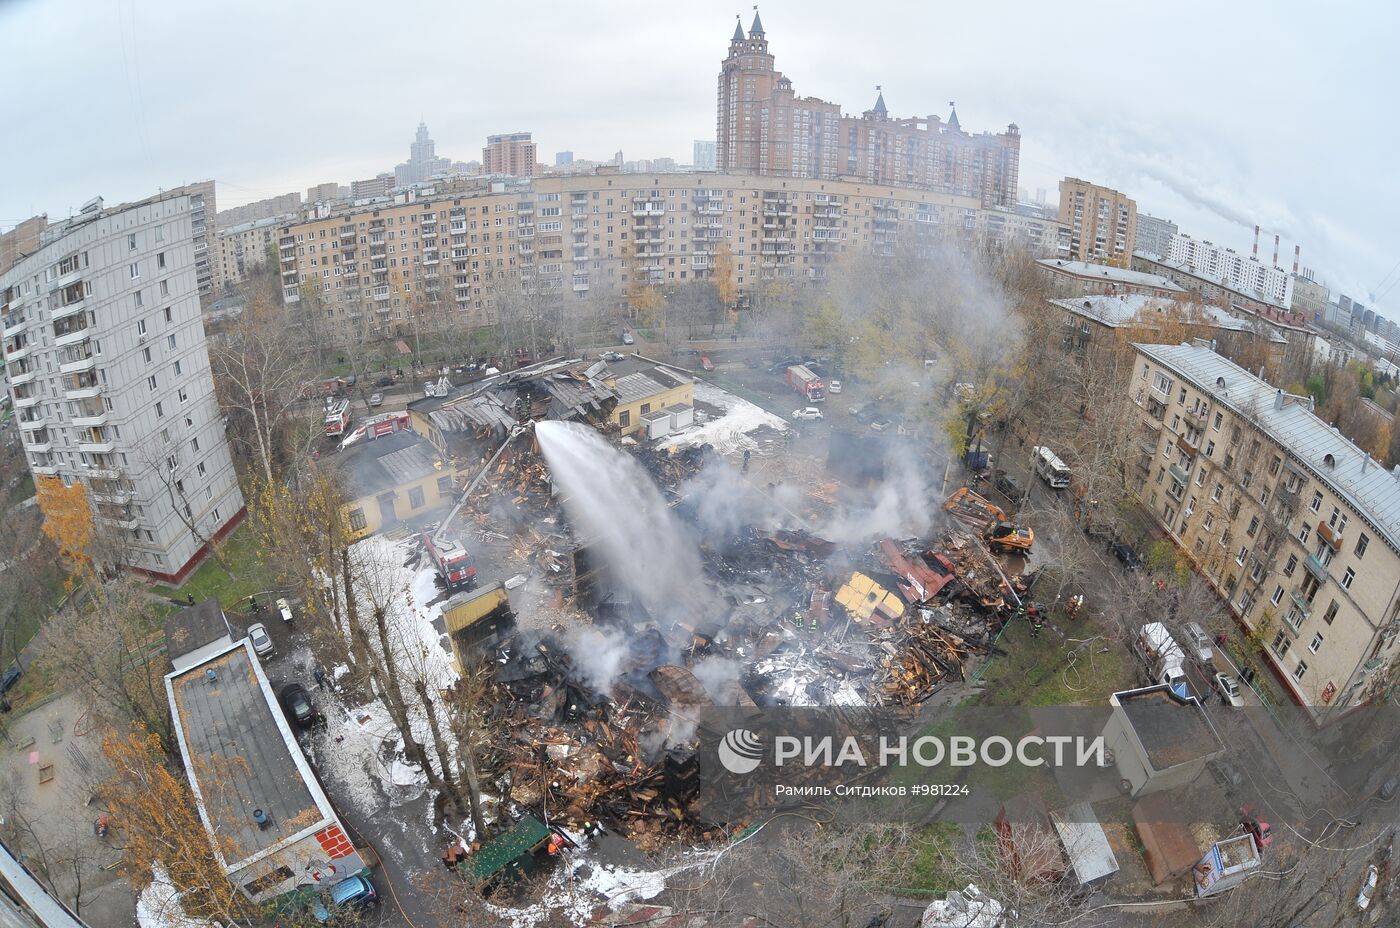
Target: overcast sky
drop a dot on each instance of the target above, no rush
(1215, 114)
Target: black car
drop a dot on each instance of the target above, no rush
(688, 352)
(1127, 556)
(1007, 487)
(781, 365)
(384, 382)
(299, 707)
(10, 678)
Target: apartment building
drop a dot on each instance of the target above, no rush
(1102, 222)
(512, 153)
(259, 209)
(1296, 527)
(763, 127)
(1080, 278)
(1154, 236)
(325, 193)
(1247, 275)
(595, 235)
(109, 373)
(22, 240)
(244, 248)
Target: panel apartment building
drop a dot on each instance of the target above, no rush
(1102, 222)
(763, 127)
(109, 373)
(1296, 527)
(595, 235)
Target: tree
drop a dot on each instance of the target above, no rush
(68, 521)
(724, 276)
(260, 370)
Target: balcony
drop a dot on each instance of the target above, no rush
(81, 386)
(1301, 606)
(69, 309)
(1316, 568)
(1189, 443)
(13, 324)
(63, 280)
(650, 209)
(97, 447)
(1326, 533)
(22, 373)
(90, 419)
(40, 442)
(24, 402)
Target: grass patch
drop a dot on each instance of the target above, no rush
(1039, 672)
(250, 576)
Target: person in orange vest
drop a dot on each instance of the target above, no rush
(1075, 603)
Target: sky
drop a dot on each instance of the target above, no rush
(1215, 115)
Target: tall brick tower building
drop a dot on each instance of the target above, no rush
(763, 127)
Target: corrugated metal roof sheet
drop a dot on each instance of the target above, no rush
(1369, 488)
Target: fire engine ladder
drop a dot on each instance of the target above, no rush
(441, 531)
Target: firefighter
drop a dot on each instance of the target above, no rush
(1075, 603)
(1037, 619)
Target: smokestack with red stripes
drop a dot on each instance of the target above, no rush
(1297, 255)
(1275, 251)
(1256, 243)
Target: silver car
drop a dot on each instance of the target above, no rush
(1199, 642)
(1228, 686)
(262, 642)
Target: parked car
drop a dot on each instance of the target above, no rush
(834, 387)
(1368, 887)
(856, 412)
(1007, 487)
(10, 678)
(284, 609)
(611, 356)
(262, 642)
(1199, 642)
(807, 412)
(687, 353)
(781, 365)
(298, 706)
(1228, 685)
(879, 422)
(706, 364)
(376, 399)
(1127, 556)
(348, 895)
(627, 338)
(384, 382)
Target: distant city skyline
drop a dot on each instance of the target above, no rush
(1305, 157)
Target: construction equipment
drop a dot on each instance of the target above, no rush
(453, 562)
(990, 520)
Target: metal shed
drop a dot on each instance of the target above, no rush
(1090, 854)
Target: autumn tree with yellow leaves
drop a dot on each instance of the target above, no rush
(68, 521)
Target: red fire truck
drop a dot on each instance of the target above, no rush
(454, 563)
(801, 379)
(337, 416)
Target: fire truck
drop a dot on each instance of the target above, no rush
(454, 563)
(337, 416)
(801, 379)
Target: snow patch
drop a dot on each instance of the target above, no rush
(159, 905)
(729, 433)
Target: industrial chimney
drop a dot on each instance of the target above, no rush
(1297, 256)
(1256, 243)
(1275, 251)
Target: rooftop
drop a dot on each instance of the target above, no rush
(193, 627)
(1200, 274)
(1121, 309)
(1172, 730)
(1085, 842)
(373, 465)
(1369, 488)
(241, 756)
(1104, 272)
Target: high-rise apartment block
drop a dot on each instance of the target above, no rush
(703, 156)
(1295, 526)
(1154, 236)
(512, 154)
(763, 127)
(381, 185)
(109, 373)
(244, 248)
(323, 193)
(1248, 275)
(1102, 222)
(595, 235)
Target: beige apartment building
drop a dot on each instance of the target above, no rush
(21, 241)
(596, 235)
(1102, 222)
(763, 127)
(512, 153)
(244, 248)
(1296, 527)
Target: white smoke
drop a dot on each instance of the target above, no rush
(725, 502)
(720, 677)
(598, 655)
(901, 506)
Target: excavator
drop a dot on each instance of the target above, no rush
(990, 521)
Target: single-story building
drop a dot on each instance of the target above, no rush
(475, 619)
(1079, 278)
(1090, 855)
(1159, 740)
(271, 826)
(391, 476)
(653, 398)
(195, 633)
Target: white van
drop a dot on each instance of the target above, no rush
(1050, 468)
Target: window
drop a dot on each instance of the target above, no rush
(1303, 534)
(1210, 447)
(1253, 527)
(1280, 646)
(160, 261)
(1278, 595)
(1330, 615)
(1347, 578)
(357, 520)
(1291, 566)
(135, 271)
(140, 326)
(184, 397)
(1275, 465)
(177, 369)
(1361, 543)
(131, 241)
(170, 340)
(167, 314)
(1239, 558)
(1215, 494)
(415, 497)
(146, 355)
(444, 486)
(194, 444)
(151, 383)
(1316, 501)
(160, 410)
(1315, 643)
(216, 515)
(624, 418)
(1246, 601)
(199, 468)
(1300, 670)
